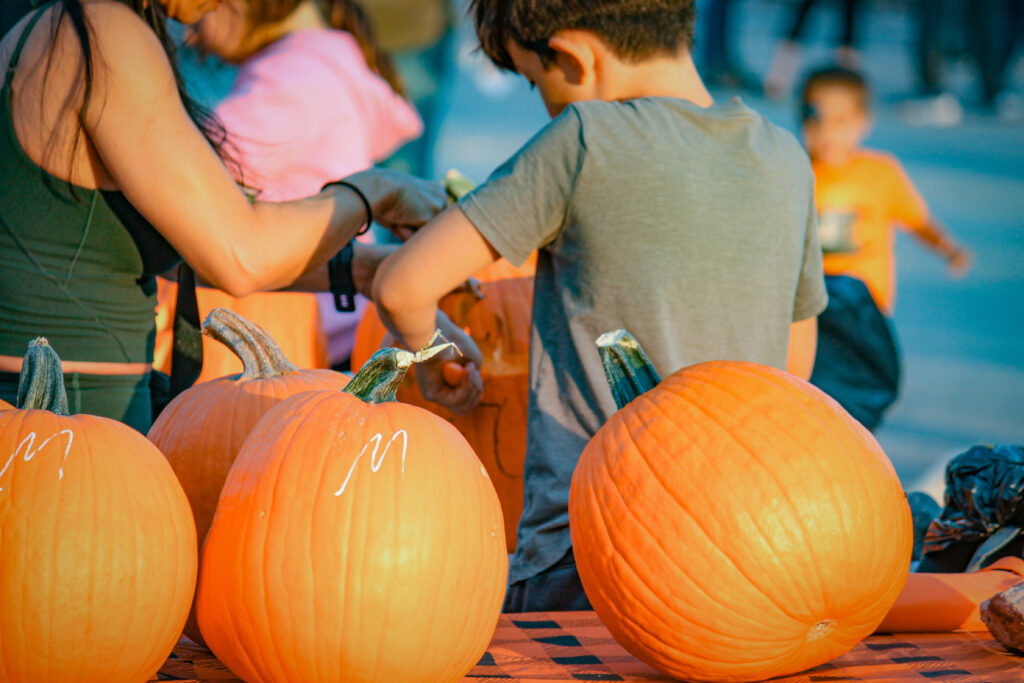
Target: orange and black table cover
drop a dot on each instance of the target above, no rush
(574, 646)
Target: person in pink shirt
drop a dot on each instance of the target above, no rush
(314, 100)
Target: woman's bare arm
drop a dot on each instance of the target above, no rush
(161, 161)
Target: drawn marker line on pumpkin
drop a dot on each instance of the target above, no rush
(375, 462)
(29, 441)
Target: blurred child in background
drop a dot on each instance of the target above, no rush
(314, 100)
(862, 196)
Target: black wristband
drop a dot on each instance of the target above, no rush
(362, 198)
(339, 274)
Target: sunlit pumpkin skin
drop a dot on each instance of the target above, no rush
(203, 428)
(97, 545)
(292, 318)
(353, 541)
(4, 405)
(496, 312)
(734, 523)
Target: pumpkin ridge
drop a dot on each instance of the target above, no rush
(735, 439)
(848, 437)
(651, 404)
(665, 552)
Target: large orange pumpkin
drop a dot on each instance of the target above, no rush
(356, 539)
(293, 318)
(496, 312)
(733, 523)
(97, 545)
(203, 428)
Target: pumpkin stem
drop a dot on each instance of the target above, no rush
(626, 365)
(379, 378)
(260, 355)
(41, 383)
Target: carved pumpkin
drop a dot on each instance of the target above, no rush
(97, 544)
(356, 539)
(292, 318)
(203, 428)
(496, 312)
(733, 523)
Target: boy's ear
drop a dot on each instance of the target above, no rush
(575, 55)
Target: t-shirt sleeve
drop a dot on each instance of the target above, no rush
(811, 295)
(524, 204)
(905, 203)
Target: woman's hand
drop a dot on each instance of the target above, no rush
(401, 203)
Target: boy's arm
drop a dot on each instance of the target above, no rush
(803, 345)
(932, 233)
(408, 285)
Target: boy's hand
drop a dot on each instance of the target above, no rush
(457, 391)
(959, 262)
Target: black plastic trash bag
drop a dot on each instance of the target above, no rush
(983, 513)
(858, 362)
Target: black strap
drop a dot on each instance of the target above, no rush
(187, 347)
(20, 44)
(343, 285)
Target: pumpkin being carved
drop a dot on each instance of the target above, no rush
(495, 311)
(733, 523)
(202, 429)
(97, 544)
(356, 539)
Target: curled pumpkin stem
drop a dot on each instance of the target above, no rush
(41, 383)
(379, 378)
(260, 355)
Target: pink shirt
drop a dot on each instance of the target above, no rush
(307, 110)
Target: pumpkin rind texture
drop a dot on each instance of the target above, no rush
(735, 524)
(202, 429)
(353, 542)
(97, 550)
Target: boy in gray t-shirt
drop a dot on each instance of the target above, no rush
(688, 222)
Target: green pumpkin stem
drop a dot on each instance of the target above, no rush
(41, 383)
(379, 378)
(260, 355)
(626, 365)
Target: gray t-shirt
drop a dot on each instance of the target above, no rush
(692, 228)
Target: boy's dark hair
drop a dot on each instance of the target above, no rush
(834, 76)
(632, 29)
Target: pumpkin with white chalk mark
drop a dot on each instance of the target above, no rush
(356, 539)
(97, 543)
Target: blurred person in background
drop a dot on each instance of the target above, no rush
(314, 99)
(984, 31)
(781, 75)
(420, 35)
(111, 175)
(862, 195)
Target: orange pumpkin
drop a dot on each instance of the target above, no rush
(293, 318)
(356, 539)
(496, 312)
(97, 544)
(4, 405)
(203, 428)
(733, 523)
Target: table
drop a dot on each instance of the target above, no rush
(575, 646)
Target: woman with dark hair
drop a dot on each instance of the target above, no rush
(111, 176)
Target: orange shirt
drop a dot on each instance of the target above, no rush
(859, 204)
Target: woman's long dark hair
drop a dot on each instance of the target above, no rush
(152, 13)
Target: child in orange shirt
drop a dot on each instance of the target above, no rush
(862, 194)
